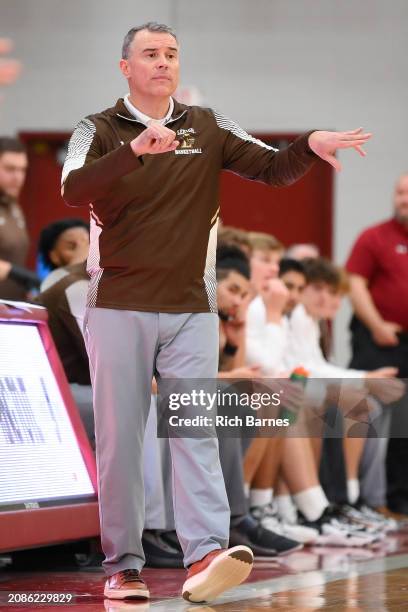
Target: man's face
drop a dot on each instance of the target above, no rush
(317, 299)
(333, 305)
(152, 67)
(401, 200)
(264, 266)
(231, 292)
(13, 169)
(295, 283)
(71, 247)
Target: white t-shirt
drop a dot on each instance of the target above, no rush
(304, 349)
(266, 343)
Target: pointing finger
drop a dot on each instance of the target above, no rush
(360, 150)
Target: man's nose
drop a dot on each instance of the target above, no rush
(163, 62)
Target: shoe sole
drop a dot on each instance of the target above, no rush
(226, 571)
(305, 540)
(342, 541)
(126, 593)
(284, 553)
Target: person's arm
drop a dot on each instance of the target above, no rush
(266, 340)
(89, 173)
(253, 159)
(22, 276)
(383, 332)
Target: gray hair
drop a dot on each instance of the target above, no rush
(150, 26)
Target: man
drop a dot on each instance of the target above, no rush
(293, 276)
(271, 337)
(321, 297)
(62, 243)
(378, 265)
(150, 169)
(268, 343)
(233, 274)
(15, 281)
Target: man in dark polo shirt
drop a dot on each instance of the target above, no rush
(378, 265)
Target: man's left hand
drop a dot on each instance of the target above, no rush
(325, 144)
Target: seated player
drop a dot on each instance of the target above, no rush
(62, 243)
(267, 343)
(232, 295)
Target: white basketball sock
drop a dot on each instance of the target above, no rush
(260, 497)
(311, 502)
(286, 509)
(353, 490)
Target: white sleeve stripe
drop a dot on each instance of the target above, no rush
(78, 147)
(229, 125)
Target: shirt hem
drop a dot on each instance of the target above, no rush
(154, 308)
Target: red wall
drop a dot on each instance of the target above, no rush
(299, 213)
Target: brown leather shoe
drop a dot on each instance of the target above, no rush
(217, 572)
(126, 583)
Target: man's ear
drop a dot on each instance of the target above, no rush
(54, 258)
(124, 68)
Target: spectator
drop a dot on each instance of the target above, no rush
(378, 265)
(302, 251)
(62, 243)
(15, 280)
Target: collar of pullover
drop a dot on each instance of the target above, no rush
(123, 111)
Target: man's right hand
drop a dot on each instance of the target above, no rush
(385, 333)
(274, 296)
(156, 138)
(5, 267)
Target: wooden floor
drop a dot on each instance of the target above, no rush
(338, 580)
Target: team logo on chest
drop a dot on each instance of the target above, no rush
(187, 138)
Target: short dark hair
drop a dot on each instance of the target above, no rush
(321, 270)
(291, 265)
(150, 26)
(231, 258)
(8, 144)
(50, 234)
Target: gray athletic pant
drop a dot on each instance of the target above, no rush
(125, 349)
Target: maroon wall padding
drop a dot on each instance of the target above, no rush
(302, 212)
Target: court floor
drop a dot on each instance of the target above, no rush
(335, 579)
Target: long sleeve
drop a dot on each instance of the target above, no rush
(88, 173)
(265, 342)
(253, 159)
(23, 276)
(304, 349)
